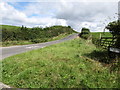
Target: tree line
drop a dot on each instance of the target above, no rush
(35, 34)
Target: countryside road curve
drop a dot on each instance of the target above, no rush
(13, 50)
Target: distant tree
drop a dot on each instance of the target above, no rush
(85, 33)
(22, 28)
(69, 26)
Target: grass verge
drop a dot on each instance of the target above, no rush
(63, 65)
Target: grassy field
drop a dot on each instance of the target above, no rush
(71, 64)
(9, 27)
(105, 34)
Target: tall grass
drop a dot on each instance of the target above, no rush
(64, 65)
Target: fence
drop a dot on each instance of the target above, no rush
(106, 42)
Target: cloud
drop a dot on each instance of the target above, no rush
(12, 16)
(91, 13)
(61, 0)
(7, 13)
(75, 13)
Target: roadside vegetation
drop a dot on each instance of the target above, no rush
(114, 31)
(78, 63)
(69, 64)
(85, 33)
(13, 35)
(114, 28)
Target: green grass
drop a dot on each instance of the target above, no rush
(64, 65)
(96, 36)
(105, 34)
(10, 27)
(13, 43)
(59, 37)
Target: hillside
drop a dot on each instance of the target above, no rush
(9, 27)
(71, 64)
(13, 35)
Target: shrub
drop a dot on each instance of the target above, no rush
(95, 41)
(85, 33)
(36, 40)
(13, 33)
(114, 28)
(85, 36)
(39, 40)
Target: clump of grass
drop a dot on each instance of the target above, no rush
(62, 65)
(12, 43)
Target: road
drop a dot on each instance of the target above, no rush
(13, 50)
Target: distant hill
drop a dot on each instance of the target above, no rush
(9, 27)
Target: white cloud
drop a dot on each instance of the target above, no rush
(92, 13)
(58, 0)
(76, 13)
(12, 16)
(9, 14)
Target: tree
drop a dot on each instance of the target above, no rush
(85, 33)
(22, 28)
(69, 26)
(114, 28)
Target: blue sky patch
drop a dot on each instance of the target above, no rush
(19, 5)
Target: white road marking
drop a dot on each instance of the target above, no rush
(32, 46)
(43, 46)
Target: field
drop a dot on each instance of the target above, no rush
(73, 64)
(97, 35)
(103, 34)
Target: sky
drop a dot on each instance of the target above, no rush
(92, 14)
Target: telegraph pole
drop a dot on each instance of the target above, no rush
(119, 10)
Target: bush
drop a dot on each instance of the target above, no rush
(85, 36)
(13, 33)
(36, 40)
(95, 41)
(117, 44)
(85, 33)
(114, 28)
(39, 40)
